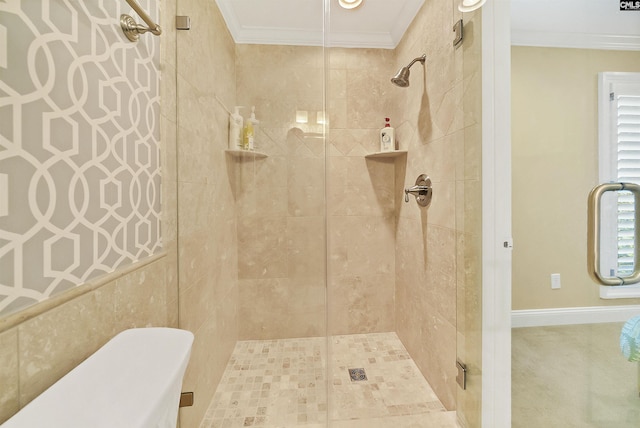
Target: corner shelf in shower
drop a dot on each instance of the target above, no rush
(244, 154)
(391, 154)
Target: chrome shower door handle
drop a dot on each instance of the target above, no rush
(593, 234)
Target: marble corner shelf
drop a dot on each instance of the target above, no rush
(391, 154)
(242, 154)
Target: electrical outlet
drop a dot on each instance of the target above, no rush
(555, 281)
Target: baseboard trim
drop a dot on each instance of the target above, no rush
(568, 316)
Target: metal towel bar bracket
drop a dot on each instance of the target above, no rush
(593, 234)
(132, 29)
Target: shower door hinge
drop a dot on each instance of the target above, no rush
(186, 399)
(458, 29)
(461, 378)
(183, 23)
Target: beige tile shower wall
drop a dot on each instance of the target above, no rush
(208, 291)
(361, 199)
(36, 352)
(435, 247)
(281, 199)
(281, 226)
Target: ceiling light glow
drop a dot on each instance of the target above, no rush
(349, 4)
(470, 5)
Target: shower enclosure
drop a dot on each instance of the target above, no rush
(302, 251)
(306, 237)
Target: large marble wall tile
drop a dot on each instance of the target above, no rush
(443, 144)
(140, 298)
(224, 65)
(197, 154)
(441, 211)
(361, 245)
(208, 189)
(280, 56)
(349, 141)
(197, 301)
(361, 303)
(439, 289)
(262, 247)
(443, 355)
(203, 373)
(52, 344)
(282, 307)
(306, 186)
(168, 132)
(306, 247)
(337, 88)
(369, 99)
(337, 113)
(9, 393)
(362, 187)
(263, 198)
(281, 199)
(172, 290)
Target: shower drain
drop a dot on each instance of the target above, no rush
(357, 375)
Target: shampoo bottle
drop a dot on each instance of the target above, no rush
(235, 130)
(251, 129)
(387, 137)
(247, 136)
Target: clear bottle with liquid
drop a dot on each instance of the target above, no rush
(235, 129)
(250, 131)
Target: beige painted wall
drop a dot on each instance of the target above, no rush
(555, 165)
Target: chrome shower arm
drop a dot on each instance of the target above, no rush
(422, 59)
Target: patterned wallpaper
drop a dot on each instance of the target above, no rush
(79, 145)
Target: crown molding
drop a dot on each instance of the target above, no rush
(575, 40)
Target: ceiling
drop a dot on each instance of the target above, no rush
(596, 24)
(382, 23)
(375, 24)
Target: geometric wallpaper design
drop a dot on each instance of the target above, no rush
(79, 145)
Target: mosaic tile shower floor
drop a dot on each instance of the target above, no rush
(282, 384)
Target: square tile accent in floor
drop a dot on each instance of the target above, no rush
(283, 383)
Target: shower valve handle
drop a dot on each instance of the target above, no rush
(416, 191)
(422, 191)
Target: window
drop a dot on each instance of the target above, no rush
(619, 141)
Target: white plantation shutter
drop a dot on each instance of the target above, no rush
(627, 109)
(619, 122)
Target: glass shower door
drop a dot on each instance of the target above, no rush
(251, 221)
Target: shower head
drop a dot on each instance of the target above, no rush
(402, 77)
